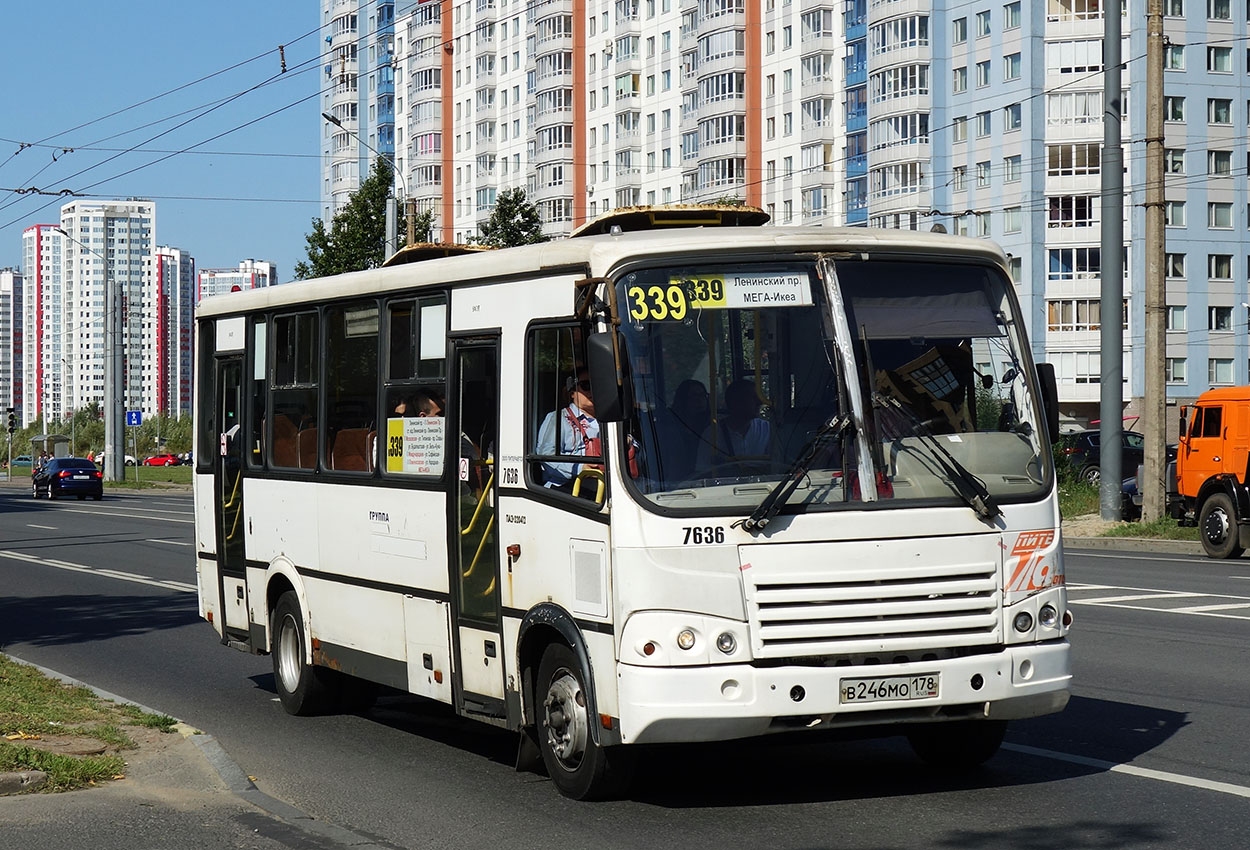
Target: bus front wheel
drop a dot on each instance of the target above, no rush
(580, 768)
(302, 688)
(958, 745)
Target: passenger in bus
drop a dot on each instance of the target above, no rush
(571, 430)
(680, 429)
(741, 435)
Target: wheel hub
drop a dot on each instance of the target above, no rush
(1217, 527)
(288, 655)
(568, 727)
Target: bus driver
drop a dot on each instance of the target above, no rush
(569, 431)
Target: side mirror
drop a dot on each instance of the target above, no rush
(1050, 398)
(1184, 431)
(608, 386)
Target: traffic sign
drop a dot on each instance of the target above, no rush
(134, 417)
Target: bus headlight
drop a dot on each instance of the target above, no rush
(726, 643)
(685, 639)
(1023, 621)
(1048, 616)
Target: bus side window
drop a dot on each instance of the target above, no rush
(558, 426)
(415, 387)
(259, 351)
(351, 386)
(294, 392)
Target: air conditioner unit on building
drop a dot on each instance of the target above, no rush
(608, 47)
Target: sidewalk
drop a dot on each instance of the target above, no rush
(180, 790)
(1084, 532)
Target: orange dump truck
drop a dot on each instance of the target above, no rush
(1212, 475)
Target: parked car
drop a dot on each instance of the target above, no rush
(161, 460)
(1084, 455)
(129, 460)
(68, 476)
(23, 460)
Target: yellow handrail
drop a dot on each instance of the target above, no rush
(481, 499)
(596, 474)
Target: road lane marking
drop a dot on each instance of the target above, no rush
(105, 573)
(129, 516)
(1125, 601)
(46, 527)
(1141, 557)
(1198, 609)
(1133, 597)
(170, 542)
(1131, 770)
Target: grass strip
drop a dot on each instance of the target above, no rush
(65, 773)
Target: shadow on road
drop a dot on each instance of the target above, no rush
(53, 620)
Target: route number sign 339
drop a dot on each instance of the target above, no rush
(673, 301)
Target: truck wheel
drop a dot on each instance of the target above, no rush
(959, 745)
(580, 768)
(1217, 526)
(303, 688)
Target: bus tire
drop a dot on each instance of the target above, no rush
(958, 745)
(580, 768)
(303, 688)
(1217, 525)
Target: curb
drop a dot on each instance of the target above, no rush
(1135, 544)
(238, 782)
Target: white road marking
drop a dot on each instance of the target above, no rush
(129, 516)
(1198, 609)
(114, 574)
(170, 542)
(1125, 601)
(46, 527)
(1142, 557)
(1131, 770)
(1133, 597)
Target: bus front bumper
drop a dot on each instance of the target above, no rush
(718, 703)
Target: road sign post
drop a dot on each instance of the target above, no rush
(134, 418)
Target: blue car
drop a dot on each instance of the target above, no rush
(68, 476)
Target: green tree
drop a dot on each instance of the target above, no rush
(357, 236)
(514, 221)
(422, 226)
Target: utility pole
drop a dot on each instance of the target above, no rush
(1154, 415)
(1111, 271)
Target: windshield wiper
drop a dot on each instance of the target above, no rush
(968, 486)
(833, 429)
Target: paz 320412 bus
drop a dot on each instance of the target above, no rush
(816, 491)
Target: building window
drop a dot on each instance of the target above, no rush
(959, 129)
(1219, 371)
(1176, 370)
(1174, 213)
(983, 74)
(1174, 8)
(1174, 161)
(1174, 265)
(1015, 268)
(1011, 169)
(1077, 314)
(983, 23)
(1013, 220)
(1073, 159)
(959, 178)
(1219, 266)
(1220, 215)
(961, 79)
(1219, 110)
(1219, 318)
(1219, 10)
(1175, 318)
(1220, 163)
(1011, 66)
(983, 124)
(1011, 117)
(1174, 57)
(1173, 108)
(1220, 60)
(1073, 263)
(983, 174)
(1011, 16)
(959, 31)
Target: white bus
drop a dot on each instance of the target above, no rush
(821, 495)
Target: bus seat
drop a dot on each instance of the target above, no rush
(285, 442)
(351, 450)
(308, 448)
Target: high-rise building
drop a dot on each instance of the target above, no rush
(168, 373)
(985, 118)
(10, 340)
(358, 89)
(251, 274)
(44, 367)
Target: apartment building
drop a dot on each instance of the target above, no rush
(44, 367)
(251, 274)
(982, 117)
(358, 89)
(168, 371)
(10, 340)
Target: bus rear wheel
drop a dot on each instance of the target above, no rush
(959, 745)
(303, 688)
(580, 768)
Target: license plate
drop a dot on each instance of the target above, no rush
(923, 686)
(80, 477)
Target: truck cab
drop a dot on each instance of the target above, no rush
(1212, 469)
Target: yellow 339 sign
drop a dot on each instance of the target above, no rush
(672, 301)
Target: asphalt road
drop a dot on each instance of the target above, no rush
(1150, 753)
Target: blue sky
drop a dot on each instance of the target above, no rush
(77, 61)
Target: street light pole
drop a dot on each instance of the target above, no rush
(391, 235)
(73, 417)
(114, 450)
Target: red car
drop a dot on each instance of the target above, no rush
(161, 460)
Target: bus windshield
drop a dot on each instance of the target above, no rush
(906, 372)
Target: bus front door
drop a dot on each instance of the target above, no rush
(475, 549)
(228, 497)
